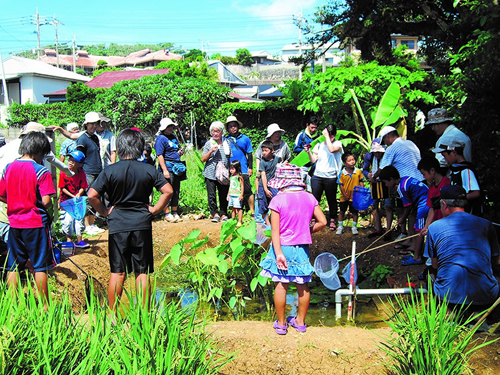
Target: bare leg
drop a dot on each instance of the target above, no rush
(304, 299)
(251, 203)
(240, 215)
(143, 285)
(417, 244)
(389, 214)
(280, 302)
(376, 218)
(13, 280)
(233, 213)
(41, 285)
(115, 288)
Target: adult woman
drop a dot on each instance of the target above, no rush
(216, 149)
(328, 158)
(168, 153)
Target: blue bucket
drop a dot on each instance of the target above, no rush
(361, 198)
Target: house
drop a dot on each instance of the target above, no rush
(264, 58)
(226, 77)
(396, 40)
(87, 62)
(106, 80)
(27, 80)
(260, 92)
(332, 57)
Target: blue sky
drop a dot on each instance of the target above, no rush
(220, 26)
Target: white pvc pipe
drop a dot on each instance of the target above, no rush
(389, 291)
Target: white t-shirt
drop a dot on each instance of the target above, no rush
(329, 164)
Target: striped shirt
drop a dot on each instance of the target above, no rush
(404, 155)
(222, 154)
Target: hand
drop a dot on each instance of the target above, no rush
(166, 174)
(400, 221)
(268, 193)
(180, 152)
(423, 232)
(307, 148)
(281, 262)
(113, 207)
(214, 149)
(54, 128)
(325, 133)
(241, 197)
(227, 198)
(250, 172)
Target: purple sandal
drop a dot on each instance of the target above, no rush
(291, 321)
(280, 330)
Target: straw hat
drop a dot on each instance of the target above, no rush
(165, 123)
(233, 119)
(273, 128)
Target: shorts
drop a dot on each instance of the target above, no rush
(30, 243)
(131, 252)
(234, 202)
(422, 213)
(343, 207)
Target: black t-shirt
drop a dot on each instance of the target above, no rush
(129, 183)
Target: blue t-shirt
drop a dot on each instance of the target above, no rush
(240, 153)
(168, 147)
(89, 145)
(464, 245)
(414, 192)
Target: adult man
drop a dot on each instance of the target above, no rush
(88, 143)
(441, 122)
(107, 141)
(241, 148)
(306, 136)
(463, 248)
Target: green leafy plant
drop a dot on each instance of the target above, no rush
(380, 274)
(228, 273)
(426, 338)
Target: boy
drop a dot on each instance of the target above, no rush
(347, 180)
(26, 186)
(432, 172)
(267, 169)
(73, 187)
(129, 183)
(414, 195)
(462, 172)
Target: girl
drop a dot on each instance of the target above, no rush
(235, 193)
(288, 258)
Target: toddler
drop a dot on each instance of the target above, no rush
(235, 193)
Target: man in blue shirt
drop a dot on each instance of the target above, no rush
(242, 150)
(309, 134)
(463, 249)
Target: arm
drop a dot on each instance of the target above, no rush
(205, 157)
(66, 191)
(430, 219)
(242, 188)
(275, 238)
(264, 184)
(257, 165)
(166, 192)
(331, 147)
(250, 163)
(406, 213)
(320, 220)
(112, 157)
(80, 192)
(64, 132)
(94, 200)
(163, 166)
(46, 201)
(313, 157)
(475, 194)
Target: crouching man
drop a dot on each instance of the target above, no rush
(463, 248)
(129, 183)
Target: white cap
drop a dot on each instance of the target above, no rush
(273, 128)
(386, 131)
(91, 117)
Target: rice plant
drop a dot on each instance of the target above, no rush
(163, 340)
(426, 338)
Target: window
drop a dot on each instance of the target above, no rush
(409, 43)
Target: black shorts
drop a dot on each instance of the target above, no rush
(343, 207)
(247, 187)
(131, 252)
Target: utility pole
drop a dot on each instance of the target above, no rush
(55, 22)
(74, 54)
(4, 83)
(38, 21)
(300, 41)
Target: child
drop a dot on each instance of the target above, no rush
(235, 193)
(414, 195)
(129, 184)
(288, 258)
(462, 172)
(26, 186)
(432, 172)
(72, 187)
(267, 169)
(347, 180)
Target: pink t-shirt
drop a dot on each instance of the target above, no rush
(23, 184)
(296, 210)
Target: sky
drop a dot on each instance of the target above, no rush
(212, 26)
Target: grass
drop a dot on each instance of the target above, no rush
(163, 340)
(426, 338)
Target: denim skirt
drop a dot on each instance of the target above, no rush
(297, 259)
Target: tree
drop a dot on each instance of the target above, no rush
(185, 68)
(194, 54)
(244, 57)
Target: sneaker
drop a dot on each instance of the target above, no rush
(82, 244)
(238, 225)
(90, 231)
(216, 219)
(401, 236)
(170, 218)
(96, 229)
(354, 230)
(177, 218)
(224, 218)
(339, 230)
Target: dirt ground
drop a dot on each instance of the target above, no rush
(321, 350)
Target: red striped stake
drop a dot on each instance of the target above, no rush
(352, 286)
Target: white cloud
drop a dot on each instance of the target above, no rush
(277, 7)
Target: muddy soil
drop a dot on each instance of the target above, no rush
(321, 350)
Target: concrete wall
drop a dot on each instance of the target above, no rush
(265, 74)
(33, 88)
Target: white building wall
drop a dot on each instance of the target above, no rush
(33, 88)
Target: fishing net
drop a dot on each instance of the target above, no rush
(326, 267)
(75, 207)
(346, 273)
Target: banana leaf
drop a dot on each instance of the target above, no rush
(302, 158)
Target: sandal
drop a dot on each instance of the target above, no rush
(401, 246)
(411, 262)
(291, 321)
(405, 252)
(280, 330)
(333, 225)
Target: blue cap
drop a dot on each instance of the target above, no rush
(78, 156)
